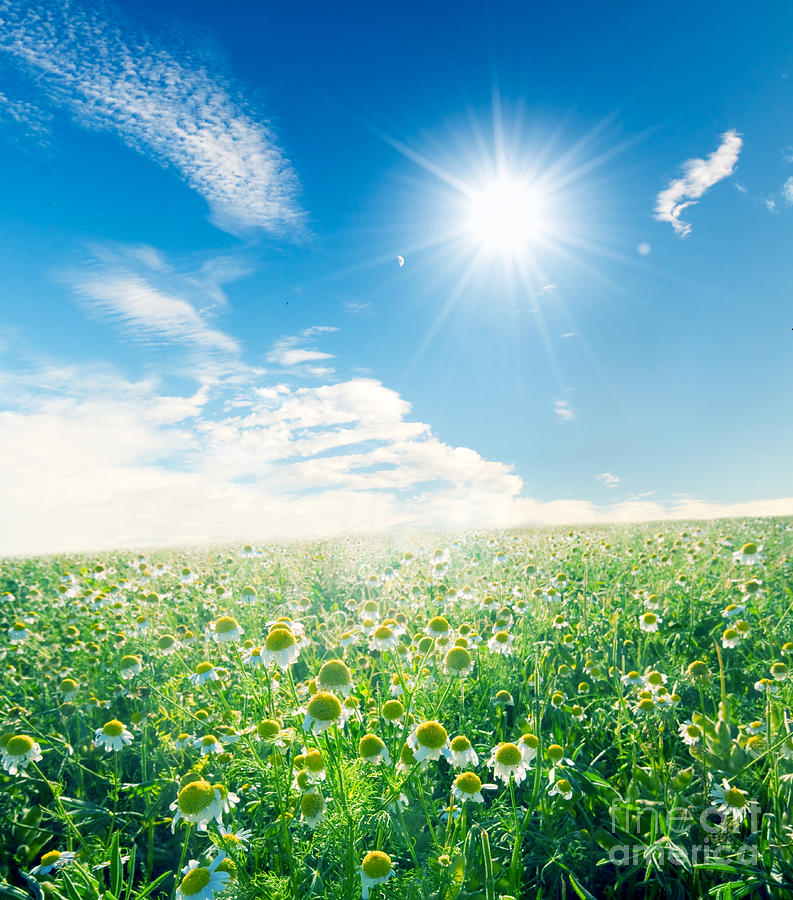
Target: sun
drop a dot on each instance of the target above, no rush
(506, 215)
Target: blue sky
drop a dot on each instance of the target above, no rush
(206, 332)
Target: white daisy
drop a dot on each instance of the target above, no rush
(280, 647)
(312, 809)
(204, 672)
(649, 622)
(428, 740)
(462, 753)
(371, 749)
(383, 638)
(112, 736)
(202, 882)
(130, 666)
(468, 786)
(690, 733)
(731, 801)
(507, 761)
(376, 868)
(560, 787)
(208, 744)
(501, 642)
(18, 751)
(198, 802)
(748, 555)
(55, 859)
(226, 629)
(322, 711)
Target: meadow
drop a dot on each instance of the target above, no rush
(599, 712)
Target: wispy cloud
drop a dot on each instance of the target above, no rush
(176, 111)
(293, 351)
(563, 411)
(608, 479)
(787, 191)
(138, 289)
(32, 121)
(698, 176)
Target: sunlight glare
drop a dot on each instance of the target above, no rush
(506, 216)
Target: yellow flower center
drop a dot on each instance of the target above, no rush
(457, 659)
(460, 743)
(730, 634)
(269, 728)
(383, 633)
(555, 753)
(376, 864)
(564, 786)
(334, 673)
(209, 740)
(49, 859)
(646, 705)
(279, 639)
(393, 710)
(370, 745)
(468, 783)
(734, 798)
(431, 735)
(531, 741)
(749, 549)
(129, 662)
(314, 761)
(113, 728)
(203, 668)
(226, 624)
(194, 882)
(655, 678)
(697, 668)
(19, 745)
(324, 707)
(438, 625)
(693, 731)
(311, 805)
(166, 642)
(195, 797)
(508, 755)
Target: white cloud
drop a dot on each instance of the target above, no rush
(147, 311)
(99, 462)
(32, 121)
(608, 479)
(787, 191)
(291, 351)
(138, 289)
(174, 110)
(698, 176)
(563, 411)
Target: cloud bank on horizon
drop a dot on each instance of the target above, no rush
(101, 462)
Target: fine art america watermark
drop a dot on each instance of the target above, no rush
(674, 829)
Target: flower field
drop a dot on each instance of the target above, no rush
(592, 713)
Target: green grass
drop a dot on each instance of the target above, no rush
(612, 803)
